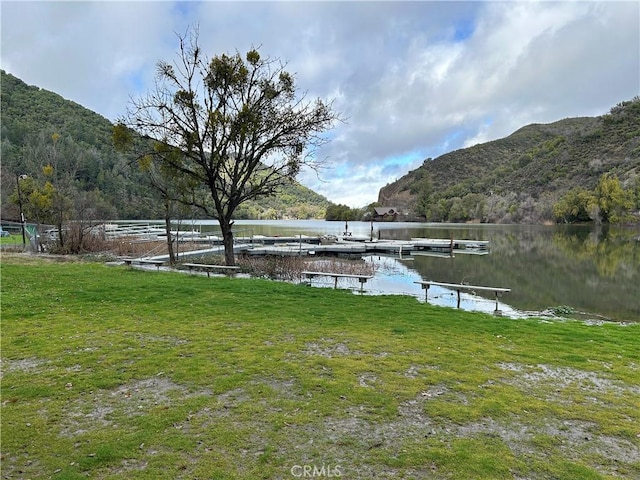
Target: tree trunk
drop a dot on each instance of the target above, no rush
(60, 237)
(167, 227)
(227, 240)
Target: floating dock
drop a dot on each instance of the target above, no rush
(304, 245)
(438, 247)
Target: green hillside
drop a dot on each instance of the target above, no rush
(41, 128)
(519, 178)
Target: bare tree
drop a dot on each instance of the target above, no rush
(236, 126)
(174, 189)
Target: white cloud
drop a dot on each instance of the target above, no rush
(413, 78)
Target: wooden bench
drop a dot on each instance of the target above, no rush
(459, 287)
(209, 268)
(361, 278)
(131, 261)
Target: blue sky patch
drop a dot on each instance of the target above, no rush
(463, 29)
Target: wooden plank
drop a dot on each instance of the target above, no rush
(213, 267)
(361, 278)
(464, 287)
(458, 287)
(209, 268)
(341, 275)
(130, 261)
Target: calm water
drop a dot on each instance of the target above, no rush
(592, 270)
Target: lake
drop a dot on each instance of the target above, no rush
(595, 270)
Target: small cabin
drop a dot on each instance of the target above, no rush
(385, 214)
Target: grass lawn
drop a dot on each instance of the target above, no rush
(112, 372)
(11, 240)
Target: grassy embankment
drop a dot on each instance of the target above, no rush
(111, 372)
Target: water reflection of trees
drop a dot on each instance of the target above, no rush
(614, 253)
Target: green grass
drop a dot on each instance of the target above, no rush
(11, 240)
(111, 372)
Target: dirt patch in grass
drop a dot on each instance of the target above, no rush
(354, 438)
(165, 339)
(328, 348)
(130, 467)
(105, 408)
(570, 437)
(33, 365)
(534, 377)
(414, 371)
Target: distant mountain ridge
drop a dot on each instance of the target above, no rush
(30, 116)
(519, 177)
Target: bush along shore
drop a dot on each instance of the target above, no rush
(122, 373)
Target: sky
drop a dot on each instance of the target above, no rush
(413, 80)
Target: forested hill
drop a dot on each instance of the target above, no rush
(521, 177)
(41, 128)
